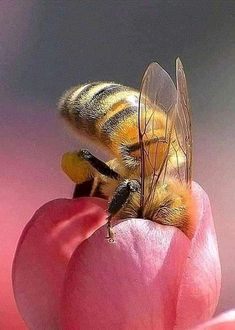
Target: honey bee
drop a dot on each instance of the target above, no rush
(148, 137)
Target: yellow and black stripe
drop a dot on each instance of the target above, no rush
(98, 109)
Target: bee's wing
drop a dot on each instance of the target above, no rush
(181, 143)
(156, 113)
(179, 158)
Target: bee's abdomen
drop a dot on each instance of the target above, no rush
(97, 108)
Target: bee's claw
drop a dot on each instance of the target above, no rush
(110, 233)
(111, 240)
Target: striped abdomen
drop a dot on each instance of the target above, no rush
(102, 110)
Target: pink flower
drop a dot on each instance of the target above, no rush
(225, 321)
(67, 276)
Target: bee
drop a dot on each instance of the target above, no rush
(147, 134)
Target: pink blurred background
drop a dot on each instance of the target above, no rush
(48, 47)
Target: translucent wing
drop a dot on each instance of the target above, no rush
(181, 143)
(179, 159)
(156, 116)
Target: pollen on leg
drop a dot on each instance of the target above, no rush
(76, 168)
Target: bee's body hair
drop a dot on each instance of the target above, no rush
(106, 114)
(102, 111)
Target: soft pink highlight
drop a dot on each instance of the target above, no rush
(225, 321)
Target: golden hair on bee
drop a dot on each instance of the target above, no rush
(148, 136)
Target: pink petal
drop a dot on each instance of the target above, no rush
(132, 284)
(225, 321)
(43, 252)
(201, 280)
(152, 278)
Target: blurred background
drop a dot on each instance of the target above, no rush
(48, 46)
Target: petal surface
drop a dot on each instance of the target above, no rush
(153, 277)
(201, 280)
(225, 321)
(43, 252)
(131, 284)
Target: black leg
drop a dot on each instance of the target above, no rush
(86, 189)
(83, 189)
(121, 196)
(100, 166)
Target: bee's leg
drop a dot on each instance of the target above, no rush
(98, 164)
(121, 196)
(84, 188)
(82, 168)
(89, 188)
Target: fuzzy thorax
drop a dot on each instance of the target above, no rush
(169, 204)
